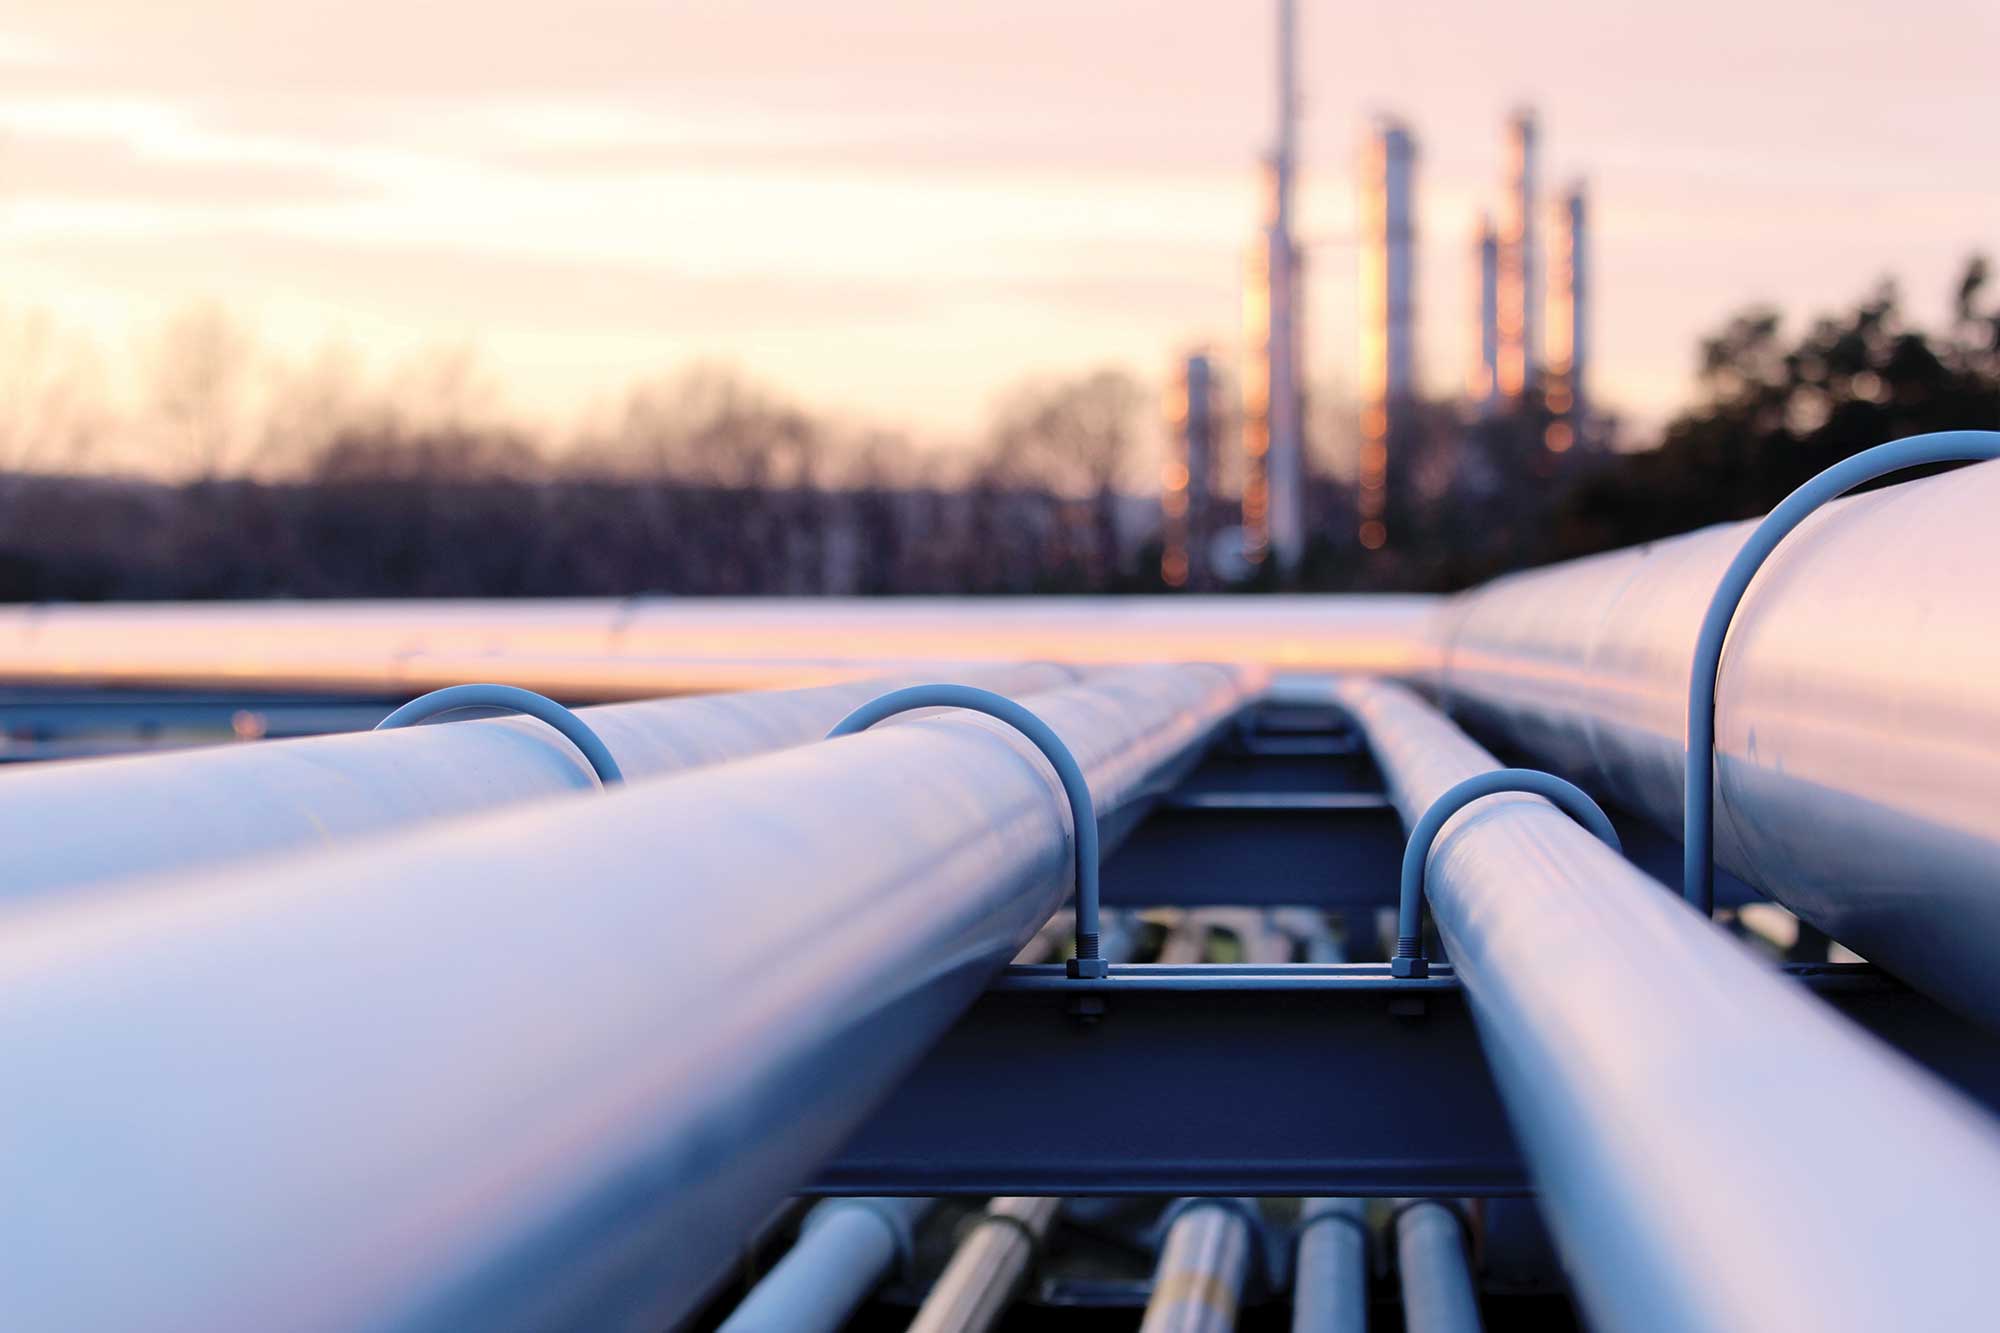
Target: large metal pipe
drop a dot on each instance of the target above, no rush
(1330, 1276)
(542, 1067)
(845, 1249)
(1714, 1148)
(644, 647)
(1436, 1272)
(71, 823)
(1857, 720)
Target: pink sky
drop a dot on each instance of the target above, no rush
(896, 207)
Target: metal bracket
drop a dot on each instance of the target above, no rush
(1089, 961)
(1410, 960)
(1698, 830)
(538, 706)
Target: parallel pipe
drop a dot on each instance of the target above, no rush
(1210, 1246)
(66, 824)
(1204, 1265)
(1714, 1148)
(1330, 1270)
(988, 1267)
(1857, 723)
(1436, 1273)
(538, 1068)
(1330, 1277)
(846, 1248)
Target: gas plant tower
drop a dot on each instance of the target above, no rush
(1274, 452)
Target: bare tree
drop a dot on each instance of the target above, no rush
(200, 377)
(1075, 439)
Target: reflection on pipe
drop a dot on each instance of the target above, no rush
(1437, 1277)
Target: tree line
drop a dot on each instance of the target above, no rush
(705, 484)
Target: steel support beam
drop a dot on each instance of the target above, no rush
(1714, 1148)
(539, 1068)
(1396, 1100)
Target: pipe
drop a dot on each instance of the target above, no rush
(1714, 1147)
(845, 1249)
(1438, 1295)
(67, 824)
(992, 1261)
(643, 647)
(1203, 1267)
(1330, 1280)
(1857, 726)
(538, 1068)
(1956, 446)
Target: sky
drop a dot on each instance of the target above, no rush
(895, 208)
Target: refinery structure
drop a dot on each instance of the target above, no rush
(1528, 333)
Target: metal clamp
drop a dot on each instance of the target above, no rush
(1698, 830)
(1089, 961)
(1410, 960)
(518, 700)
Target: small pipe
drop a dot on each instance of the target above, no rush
(1203, 1267)
(1569, 798)
(844, 1251)
(996, 1256)
(538, 706)
(1438, 1296)
(1698, 827)
(1089, 962)
(1330, 1282)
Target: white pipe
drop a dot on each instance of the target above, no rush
(1857, 719)
(71, 823)
(535, 1068)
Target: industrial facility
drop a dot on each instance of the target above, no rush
(1608, 946)
(1529, 337)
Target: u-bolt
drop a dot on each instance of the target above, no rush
(1698, 828)
(1410, 960)
(1089, 961)
(538, 706)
